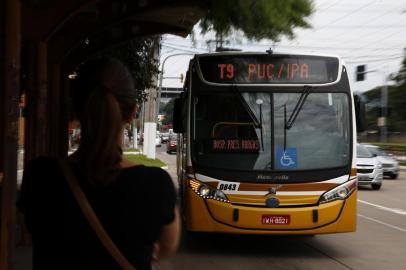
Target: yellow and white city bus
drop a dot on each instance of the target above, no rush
(266, 144)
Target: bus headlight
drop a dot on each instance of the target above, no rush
(339, 193)
(204, 190)
(220, 194)
(207, 192)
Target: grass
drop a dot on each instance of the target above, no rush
(143, 160)
(392, 147)
(131, 150)
(402, 163)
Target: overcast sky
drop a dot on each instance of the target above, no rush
(370, 32)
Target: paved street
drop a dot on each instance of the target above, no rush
(378, 243)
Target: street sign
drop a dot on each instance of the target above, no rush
(381, 121)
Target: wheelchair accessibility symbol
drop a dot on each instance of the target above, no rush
(286, 159)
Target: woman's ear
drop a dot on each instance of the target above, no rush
(134, 113)
(137, 111)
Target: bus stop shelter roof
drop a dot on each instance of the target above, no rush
(76, 28)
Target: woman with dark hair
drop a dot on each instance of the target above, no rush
(135, 204)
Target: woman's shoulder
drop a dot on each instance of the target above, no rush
(146, 172)
(42, 159)
(147, 177)
(39, 163)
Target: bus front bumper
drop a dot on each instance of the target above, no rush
(206, 215)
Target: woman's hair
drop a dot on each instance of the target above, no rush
(104, 98)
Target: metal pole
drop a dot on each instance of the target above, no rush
(9, 113)
(158, 101)
(384, 105)
(382, 119)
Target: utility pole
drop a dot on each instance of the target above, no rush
(150, 113)
(382, 118)
(384, 105)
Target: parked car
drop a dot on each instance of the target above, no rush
(171, 144)
(164, 137)
(369, 169)
(158, 140)
(389, 164)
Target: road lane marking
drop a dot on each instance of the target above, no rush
(393, 210)
(383, 223)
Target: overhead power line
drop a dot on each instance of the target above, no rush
(363, 25)
(180, 48)
(375, 55)
(349, 13)
(322, 8)
(188, 46)
(375, 60)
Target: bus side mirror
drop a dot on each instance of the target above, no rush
(177, 116)
(360, 115)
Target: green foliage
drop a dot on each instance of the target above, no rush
(401, 76)
(168, 112)
(391, 147)
(258, 19)
(138, 56)
(396, 103)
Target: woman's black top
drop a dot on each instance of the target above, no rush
(132, 209)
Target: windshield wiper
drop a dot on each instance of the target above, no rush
(289, 123)
(258, 124)
(298, 107)
(246, 106)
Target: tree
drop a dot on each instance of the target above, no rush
(401, 76)
(168, 112)
(396, 99)
(397, 109)
(257, 19)
(138, 55)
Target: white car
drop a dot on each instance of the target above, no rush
(164, 137)
(369, 169)
(158, 140)
(389, 164)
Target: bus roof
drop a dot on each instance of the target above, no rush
(266, 53)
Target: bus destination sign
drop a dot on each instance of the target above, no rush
(234, 145)
(268, 69)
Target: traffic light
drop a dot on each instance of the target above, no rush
(360, 73)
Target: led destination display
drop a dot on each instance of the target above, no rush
(268, 69)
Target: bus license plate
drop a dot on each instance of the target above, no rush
(276, 219)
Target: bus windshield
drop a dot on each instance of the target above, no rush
(247, 131)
